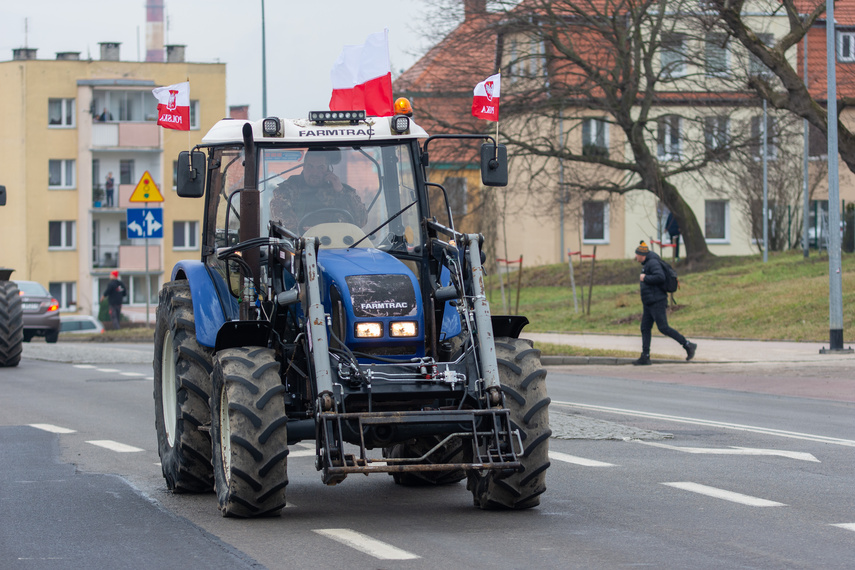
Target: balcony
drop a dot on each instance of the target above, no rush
(125, 135)
(121, 198)
(132, 257)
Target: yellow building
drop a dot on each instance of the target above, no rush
(67, 124)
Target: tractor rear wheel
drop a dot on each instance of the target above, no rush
(451, 452)
(11, 324)
(249, 432)
(182, 388)
(523, 383)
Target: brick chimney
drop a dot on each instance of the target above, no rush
(474, 8)
(24, 53)
(175, 53)
(240, 112)
(109, 51)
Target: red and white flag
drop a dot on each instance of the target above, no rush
(362, 78)
(485, 104)
(173, 106)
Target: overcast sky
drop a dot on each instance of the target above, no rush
(304, 39)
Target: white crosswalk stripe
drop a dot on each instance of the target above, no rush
(722, 494)
(558, 456)
(115, 446)
(52, 428)
(847, 526)
(366, 544)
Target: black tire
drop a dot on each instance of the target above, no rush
(451, 452)
(51, 336)
(249, 433)
(523, 383)
(11, 324)
(182, 390)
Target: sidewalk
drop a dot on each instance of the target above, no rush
(709, 350)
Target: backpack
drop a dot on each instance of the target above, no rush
(672, 283)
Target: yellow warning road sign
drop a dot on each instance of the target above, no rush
(146, 190)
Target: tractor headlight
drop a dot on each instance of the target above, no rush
(404, 328)
(369, 330)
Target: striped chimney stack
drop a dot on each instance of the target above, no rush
(154, 30)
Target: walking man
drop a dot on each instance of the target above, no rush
(115, 294)
(655, 302)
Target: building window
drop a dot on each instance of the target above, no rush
(846, 46)
(65, 292)
(138, 289)
(817, 142)
(61, 235)
(756, 143)
(126, 172)
(716, 138)
(184, 235)
(669, 138)
(61, 112)
(755, 66)
(135, 106)
(716, 221)
(194, 114)
(595, 138)
(672, 57)
(61, 173)
(513, 62)
(595, 219)
(716, 55)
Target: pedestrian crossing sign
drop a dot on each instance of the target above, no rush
(146, 190)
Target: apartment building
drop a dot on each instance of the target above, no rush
(68, 123)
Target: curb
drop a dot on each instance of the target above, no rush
(580, 360)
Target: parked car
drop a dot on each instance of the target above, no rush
(80, 324)
(41, 311)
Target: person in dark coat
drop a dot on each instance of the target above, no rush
(673, 229)
(115, 294)
(655, 302)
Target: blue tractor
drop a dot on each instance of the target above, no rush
(330, 305)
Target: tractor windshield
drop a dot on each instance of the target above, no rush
(342, 193)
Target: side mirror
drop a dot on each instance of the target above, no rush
(2, 195)
(191, 177)
(494, 165)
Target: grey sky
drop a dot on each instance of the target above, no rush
(303, 39)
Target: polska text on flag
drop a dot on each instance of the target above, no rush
(173, 106)
(362, 78)
(485, 104)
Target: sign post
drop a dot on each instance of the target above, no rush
(146, 223)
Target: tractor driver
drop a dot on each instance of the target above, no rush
(317, 195)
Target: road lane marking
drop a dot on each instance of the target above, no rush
(131, 374)
(558, 456)
(734, 450)
(365, 544)
(52, 428)
(84, 366)
(722, 494)
(847, 526)
(115, 446)
(711, 423)
(106, 369)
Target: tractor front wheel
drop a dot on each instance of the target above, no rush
(182, 388)
(523, 383)
(11, 324)
(249, 432)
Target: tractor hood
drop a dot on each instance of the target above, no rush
(369, 285)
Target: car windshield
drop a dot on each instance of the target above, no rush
(340, 194)
(32, 288)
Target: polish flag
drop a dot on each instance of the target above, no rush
(173, 106)
(362, 78)
(485, 104)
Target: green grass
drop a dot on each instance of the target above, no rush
(547, 349)
(739, 297)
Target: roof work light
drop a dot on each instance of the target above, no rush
(321, 117)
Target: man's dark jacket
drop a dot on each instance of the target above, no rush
(653, 286)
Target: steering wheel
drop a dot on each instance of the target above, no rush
(311, 215)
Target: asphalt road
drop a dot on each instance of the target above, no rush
(652, 467)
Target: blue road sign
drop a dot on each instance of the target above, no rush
(145, 223)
